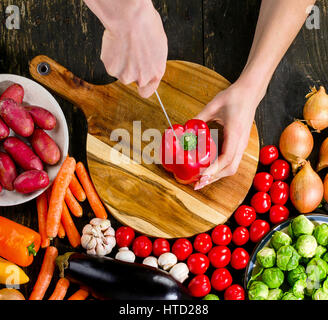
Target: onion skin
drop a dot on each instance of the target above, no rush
(306, 189)
(315, 111)
(325, 188)
(296, 144)
(11, 294)
(323, 155)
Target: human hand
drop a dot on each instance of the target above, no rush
(234, 109)
(134, 48)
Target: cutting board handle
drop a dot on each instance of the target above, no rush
(57, 78)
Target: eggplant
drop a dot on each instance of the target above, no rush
(109, 278)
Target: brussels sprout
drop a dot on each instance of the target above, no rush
(273, 277)
(280, 239)
(211, 296)
(296, 274)
(313, 279)
(320, 251)
(287, 258)
(306, 246)
(318, 268)
(321, 234)
(320, 294)
(290, 231)
(302, 225)
(266, 257)
(325, 257)
(304, 261)
(325, 285)
(258, 291)
(299, 287)
(275, 294)
(289, 296)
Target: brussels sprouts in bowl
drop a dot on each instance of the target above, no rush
(291, 261)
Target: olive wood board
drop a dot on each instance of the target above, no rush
(143, 195)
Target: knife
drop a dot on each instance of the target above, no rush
(165, 113)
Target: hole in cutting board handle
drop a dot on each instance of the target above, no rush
(43, 68)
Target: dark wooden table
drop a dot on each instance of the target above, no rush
(215, 33)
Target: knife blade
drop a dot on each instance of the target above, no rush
(165, 113)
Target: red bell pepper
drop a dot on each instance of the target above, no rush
(188, 156)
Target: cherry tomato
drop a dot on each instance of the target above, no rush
(280, 170)
(182, 248)
(203, 243)
(279, 192)
(221, 279)
(278, 214)
(258, 230)
(234, 292)
(221, 235)
(261, 202)
(124, 236)
(142, 246)
(199, 286)
(263, 181)
(239, 258)
(268, 154)
(240, 236)
(245, 215)
(160, 246)
(198, 263)
(219, 256)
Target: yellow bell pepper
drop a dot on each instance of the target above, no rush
(10, 274)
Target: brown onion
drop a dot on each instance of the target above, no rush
(323, 155)
(11, 294)
(306, 189)
(315, 111)
(296, 144)
(325, 188)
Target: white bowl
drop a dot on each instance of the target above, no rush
(37, 95)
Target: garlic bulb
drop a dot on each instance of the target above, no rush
(151, 261)
(180, 272)
(167, 260)
(124, 254)
(98, 237)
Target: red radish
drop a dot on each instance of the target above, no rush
(8, 171)
(45, 147)
(30, 181)
(14, 92)
(43, 118)
(4, 130)
(22, 154)
(16, 117)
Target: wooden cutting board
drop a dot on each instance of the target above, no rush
(140, 195)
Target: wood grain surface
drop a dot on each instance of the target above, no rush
(214, 33)
(143, 195)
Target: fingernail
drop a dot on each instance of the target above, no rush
(204, 181)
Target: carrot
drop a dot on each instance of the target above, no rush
(73, 235)
(45, 275)
(77, 189)
(42, 208)
(59, 188)
(60, 290)
(90, 191)
(61, 231)
(79, 295)
(72, 203)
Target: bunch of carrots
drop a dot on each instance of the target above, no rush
(54, 217)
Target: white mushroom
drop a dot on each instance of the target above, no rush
(151, 261)
(180, 272)
(98, 237)
(167, 260)
(124, 254)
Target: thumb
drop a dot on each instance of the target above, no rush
(149, 89)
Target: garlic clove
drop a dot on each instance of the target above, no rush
(88, 229)
(100, 250)
(180, 272)
(150, 261)
(102, 224)
(92, 251)
(91, 244)
(109, 232)
(109, 241)
(85, 239)
(167, 260)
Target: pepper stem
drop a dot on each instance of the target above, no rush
(189, 141)
(62, 263)
(31, 250)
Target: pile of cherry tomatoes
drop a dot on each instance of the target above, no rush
(213, 258)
